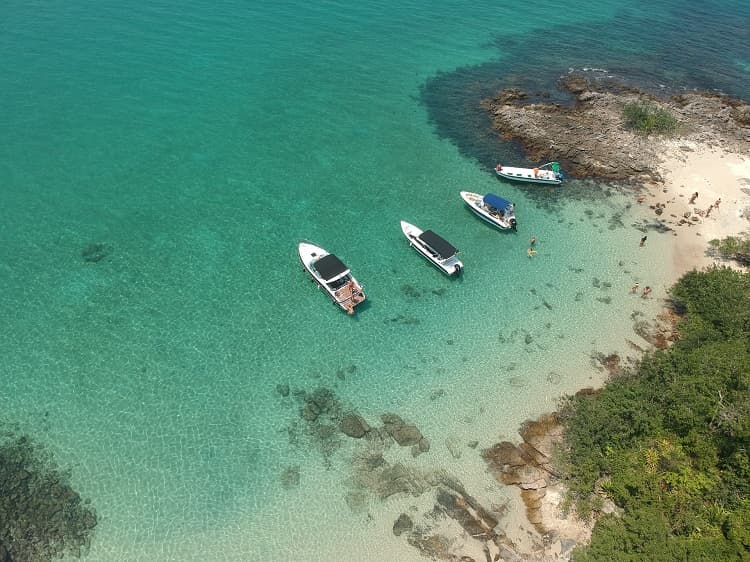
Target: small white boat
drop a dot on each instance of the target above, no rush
(492, 208)
(433, 247)
(332, 276)
(549, 173)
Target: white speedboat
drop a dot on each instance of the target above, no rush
(433, 247)
(332, 276)
(492, 208)
(548, 173)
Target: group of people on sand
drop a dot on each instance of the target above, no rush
(707, 212)
(691, 201)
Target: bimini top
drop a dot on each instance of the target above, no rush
(330, 267)
(440, 245)
(496, 201)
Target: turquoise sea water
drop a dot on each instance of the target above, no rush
(194, 145)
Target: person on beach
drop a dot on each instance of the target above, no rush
(643, 240)
(693, 197)
(717, 204)
(634, 288)
(646, 292)
(533, 240)
(708, 211)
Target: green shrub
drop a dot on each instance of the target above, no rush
(672, 438)
(648, 119)
(733, 248)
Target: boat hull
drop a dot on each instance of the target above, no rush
(309, 254)
(450, 266)
(527, 175)
(474, 202)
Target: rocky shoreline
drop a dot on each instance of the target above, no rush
(439, 516)
(589, 137)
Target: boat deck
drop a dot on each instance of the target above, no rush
(350, 295)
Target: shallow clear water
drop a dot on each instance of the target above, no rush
(197, 145)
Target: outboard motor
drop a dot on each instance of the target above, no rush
(513, 223)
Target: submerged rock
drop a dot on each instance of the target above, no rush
(290, 477)
(403, 433)
(94, 253)
(354, 425)
(283, 389)
(403, 524)
(41, 516)
(528, 465)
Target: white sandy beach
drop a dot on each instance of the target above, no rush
(686, 168)
(714, 174)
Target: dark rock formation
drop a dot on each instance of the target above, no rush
(323, 413)
(528, 465)
(403, 524)
(403, 433)
(612, 363)
(41, 516)
(94, 253)
(290, 477)
(590, 139)
(283, 389)
(354, 425)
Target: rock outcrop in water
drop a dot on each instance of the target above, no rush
(41, 516)
(589, 137)
(529, 464)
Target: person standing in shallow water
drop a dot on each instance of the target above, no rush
(643, 240)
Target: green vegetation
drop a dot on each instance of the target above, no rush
(648, 119)
(733, 248)
(670, 442)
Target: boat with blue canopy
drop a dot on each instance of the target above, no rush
(492, 208)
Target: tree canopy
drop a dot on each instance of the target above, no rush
(669, 441)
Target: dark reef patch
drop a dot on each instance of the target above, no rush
(96, 252)
(41, 516)
(635, 47)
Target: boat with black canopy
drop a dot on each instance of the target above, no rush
(440, 252)
(333, 276)
(492, 208)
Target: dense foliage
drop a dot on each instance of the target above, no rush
(647, 119)
(670, 442)
(733, 248)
